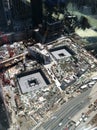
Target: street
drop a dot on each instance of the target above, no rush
(68, 110)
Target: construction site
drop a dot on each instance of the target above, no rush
(33, 91)
(48, 81)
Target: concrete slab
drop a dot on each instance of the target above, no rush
(31, 81)
(59, 54)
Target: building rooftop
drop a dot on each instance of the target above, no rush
(59, 54)
(42, 51)
(31, 81)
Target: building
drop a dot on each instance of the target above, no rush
(16, 15)
(4, 114)
(21, 15)
(61, 52)
(42, 56)
(36, 6)
(2, 15)
(20, 9)
(5, 15)
(31, 81)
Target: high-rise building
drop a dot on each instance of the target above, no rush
(15, 13)
(19, 14)
(4, 114)
(2, 15)
(5, 14)
(21, 9)
(36, 12)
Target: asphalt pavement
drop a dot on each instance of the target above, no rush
(67, 111)
(70, 114)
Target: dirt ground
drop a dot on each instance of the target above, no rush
(94, 120)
